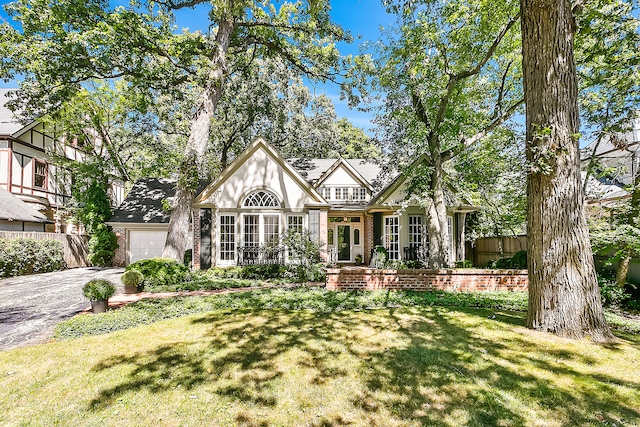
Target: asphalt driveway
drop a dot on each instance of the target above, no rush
(31, 306)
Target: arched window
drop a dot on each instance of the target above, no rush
(261, 199)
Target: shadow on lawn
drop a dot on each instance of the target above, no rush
(428, 365)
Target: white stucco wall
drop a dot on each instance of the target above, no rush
(260, 171)
(341, 177)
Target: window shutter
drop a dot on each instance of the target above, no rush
(205, 238)
(314, 224)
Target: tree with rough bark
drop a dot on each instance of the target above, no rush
(60, 46)
(563, 292)
(447, 76)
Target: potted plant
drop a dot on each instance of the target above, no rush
(132, 280)
(98, 291)
(359, 259)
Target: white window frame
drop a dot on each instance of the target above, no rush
(261, 231)
(359, 193)
(392, 236)
(416, 230)
(299, 222)
(224, 253)
(327, 193)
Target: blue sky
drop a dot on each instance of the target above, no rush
(362, 18)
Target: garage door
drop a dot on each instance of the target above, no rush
(146, 244)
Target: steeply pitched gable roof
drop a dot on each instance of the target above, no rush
(315, 169)
(260, 144)
(14, 209)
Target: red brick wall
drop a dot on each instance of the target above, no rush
(426, 280)
(324, 222)
(120, 256)
(196, 240)
(368, 238)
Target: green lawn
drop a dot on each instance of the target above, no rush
(405, 366)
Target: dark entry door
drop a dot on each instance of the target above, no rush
(344, 243)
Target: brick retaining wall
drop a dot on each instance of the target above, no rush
(354, 278)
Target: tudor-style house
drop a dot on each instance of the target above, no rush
(28, 173)
(239, 217)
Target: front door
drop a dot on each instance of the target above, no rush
(344, 242)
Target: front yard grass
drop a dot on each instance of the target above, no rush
(397, 366)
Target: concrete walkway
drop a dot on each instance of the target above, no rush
(31, 306)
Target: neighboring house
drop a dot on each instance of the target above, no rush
(619, 157)
(27, 170)
(239, 217)
(16, 215)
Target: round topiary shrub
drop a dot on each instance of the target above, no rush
(99, 289)
(132, 280)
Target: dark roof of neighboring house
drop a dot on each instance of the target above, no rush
(14, 209)
(9, 124)
(143, 204)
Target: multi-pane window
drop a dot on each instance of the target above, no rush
(392, 236)
(251, 230)
(330, 236)
(342, 193)
(227, 237)
(271, 228)
(39, 174)
(261, 199)
(359, 193)
(326, 192)
(294, 222)
(415, 230)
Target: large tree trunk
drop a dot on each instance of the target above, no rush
(436, 209)
(196, 147)
(563, 292)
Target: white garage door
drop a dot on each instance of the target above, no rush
(146, 244)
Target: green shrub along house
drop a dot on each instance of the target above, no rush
(238, 219)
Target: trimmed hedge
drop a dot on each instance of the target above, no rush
(23, 256)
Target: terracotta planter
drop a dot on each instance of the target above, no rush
(130, 289)
(99, 306)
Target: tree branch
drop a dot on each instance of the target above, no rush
(498, 110)
(173, 5)
(467, 142)
(489, 53)
(455, 78)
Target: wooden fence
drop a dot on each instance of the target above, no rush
(75, 247)
(488, 249)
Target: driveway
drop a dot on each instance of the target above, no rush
(31, 306)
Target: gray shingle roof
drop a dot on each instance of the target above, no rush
(14, 209)
(9, 124)
(143, 204)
